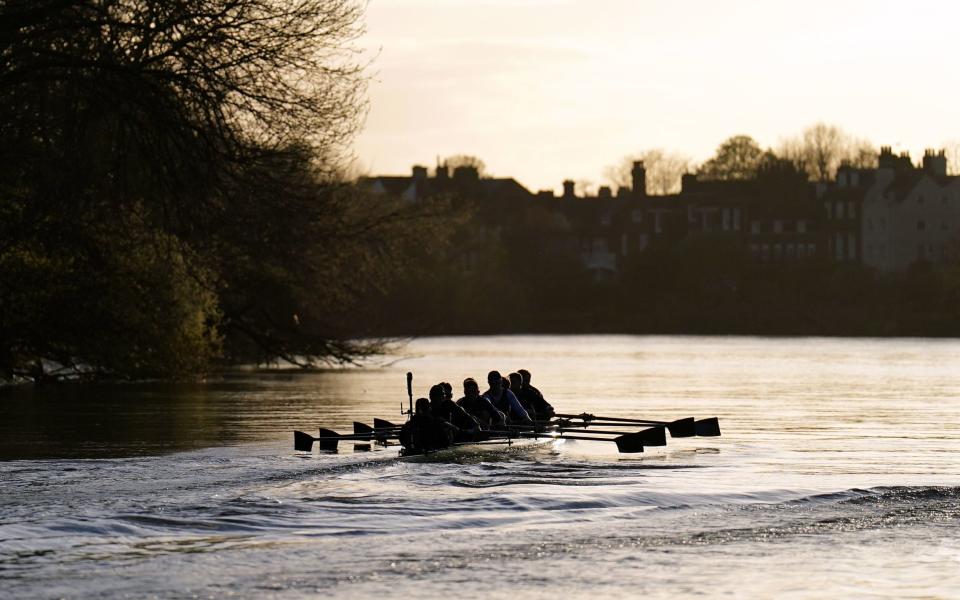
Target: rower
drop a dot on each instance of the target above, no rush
(532, 395)
(444, 408)
(423, 432)
(504, 400)
(516, 385)
(479, 407)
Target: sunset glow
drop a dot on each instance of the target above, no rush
(544, 90)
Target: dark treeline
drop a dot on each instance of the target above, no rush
(169, 188)
(705, 285)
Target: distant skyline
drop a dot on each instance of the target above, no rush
(546, 90)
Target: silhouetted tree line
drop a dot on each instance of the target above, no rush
(169, 189)
(704, 284)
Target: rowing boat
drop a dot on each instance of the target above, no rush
(583, 426)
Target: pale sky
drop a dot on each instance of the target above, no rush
(547, 90)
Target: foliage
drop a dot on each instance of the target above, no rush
(465, 160)
(664, 170)
(168, 187)
(822, 148)
(737, 158)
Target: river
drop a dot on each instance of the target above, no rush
(837, 475)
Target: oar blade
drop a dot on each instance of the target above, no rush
(328, 440)
(302, 442)
(708, 427)
(682, 428)
(382, 424)
(363, 430)
(655, 436)
(630, 443)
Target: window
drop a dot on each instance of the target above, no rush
(921, 225)
(801, 226)
(829, 207)
(754, 226)
(851, 209)
(636, 215)
(606, 219)
(736, 219)
(840, 210)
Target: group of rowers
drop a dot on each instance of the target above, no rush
(439, 421)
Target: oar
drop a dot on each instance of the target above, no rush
(376, 432)
(626, 443)
(328, 439)
(654, 436)
(677, 429)
(381, 424)
(687, 427)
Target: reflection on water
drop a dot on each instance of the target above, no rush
(837, 475)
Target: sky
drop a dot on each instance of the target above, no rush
(547, 90)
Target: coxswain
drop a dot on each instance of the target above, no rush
(504, 400)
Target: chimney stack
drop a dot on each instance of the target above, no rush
(639, 175)
(568, 189)
(935, 163)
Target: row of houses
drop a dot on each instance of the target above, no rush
(886, 218)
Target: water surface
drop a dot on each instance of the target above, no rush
(837, 475)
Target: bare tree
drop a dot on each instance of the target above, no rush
(821, 148)
(465, 160)
(952, 150)
(664, 170)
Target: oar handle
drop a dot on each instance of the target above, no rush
(586, 417)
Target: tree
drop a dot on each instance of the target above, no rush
(821, 148)
(737, 158)
(664, 170)
(952, 149)
(465, 160)
(168, 186)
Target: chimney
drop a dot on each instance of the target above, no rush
(545, 194)
(443, 172)
(419, 172)
(935, 163)
(568, 189)
(604, 192)
(687, 182)
(886, 159)
(639, 174)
